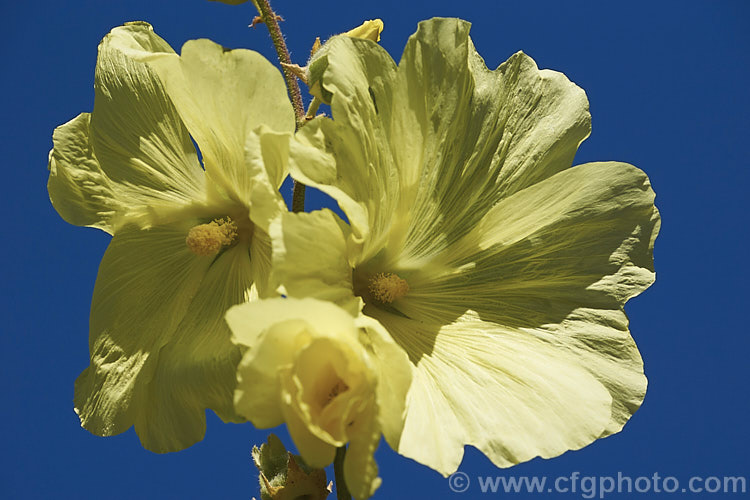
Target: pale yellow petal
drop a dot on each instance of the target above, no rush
(80, 192)
(360, 467)
(570, 250)
(266, 164)
(136, 134)
(160, 351)
(556, 262)
(131, 160)
(583, 238)
(305, 366)
(274, 330)
(259, 390)
(260, 253)
(316, 452)
(309, 258)
(505, 391)
(349, 157)
(417, 154)
(394, 375)
(197, 369)
(222, 96)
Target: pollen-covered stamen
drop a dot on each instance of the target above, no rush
(207, 239)
(387, 287)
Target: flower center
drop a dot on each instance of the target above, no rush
(387, 287)
(206, 240)
(337, 389)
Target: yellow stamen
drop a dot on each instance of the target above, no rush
(387, 287)
(207, 239)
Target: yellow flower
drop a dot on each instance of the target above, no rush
(317, 368)
(189, 238)
(500, 270)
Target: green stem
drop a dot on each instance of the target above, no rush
(269, 19)
(313, 108)
(298, 197)
(342, 492)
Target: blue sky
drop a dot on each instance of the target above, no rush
(667, 84)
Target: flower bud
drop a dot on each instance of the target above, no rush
(316, 67)
(283, 476)
(305, 366)
(369, 30)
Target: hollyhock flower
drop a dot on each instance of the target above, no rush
(189, 237)
(500, 270)
(333, 378)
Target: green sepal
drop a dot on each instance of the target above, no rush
(315, 69)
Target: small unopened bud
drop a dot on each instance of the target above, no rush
(318, 63)
(284, 476)
(369, 30)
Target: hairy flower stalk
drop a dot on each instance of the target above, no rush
(270, 19)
